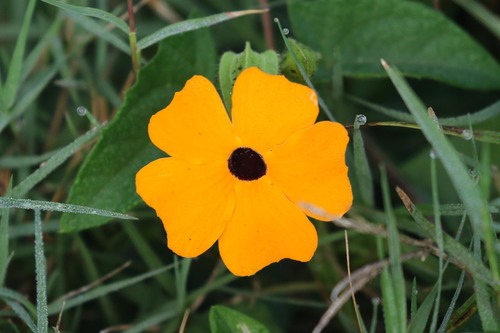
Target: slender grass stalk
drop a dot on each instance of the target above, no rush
(439, 240)
(362, 167)
(394, 255)
(4, 240)
(11, 87)
(475, 203)
(41, 277)
(303, 72)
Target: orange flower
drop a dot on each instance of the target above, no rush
(248, 183)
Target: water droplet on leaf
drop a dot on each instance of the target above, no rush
(467, 134)
(81, 110)
(361, 119)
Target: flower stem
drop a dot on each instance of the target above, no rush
(132, 37)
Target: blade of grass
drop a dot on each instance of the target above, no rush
(181, 270)
(62, 155)
(16, 64)
(26, 229)
(363, 173)
(373, 324)
(8, 294)
(439, 241)
(303, 72)
(489, 320)
(33, 57)
(459, 253)
(91, 12)
(421, 318)
(92, 274)
(59, 207)
(192, 24)
(4, 240)
(23, 315)
(42, 323)
(150, 258)
(464, 133)
(413, 303)
(171, 309)
(388, 298)
(482, 14)
(99, 30)
(394, 255)
(14, 162)
(476, 117)
(476, 205)
(452, 304)
(100, 291)
(30, 92)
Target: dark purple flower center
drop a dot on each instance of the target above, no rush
(246, 164)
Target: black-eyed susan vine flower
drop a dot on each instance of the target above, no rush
(246, 182)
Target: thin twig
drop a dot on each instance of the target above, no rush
(267, 24)
(182, 328)
(347, 286)
(350, 280)
(96, 282)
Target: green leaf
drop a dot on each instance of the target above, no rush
(422, 42)
(59, 207)
(92, 12)
(232, 64)
(482, 14)
(226, 320)
(191, 24)
(107, 178)
(475, 203)
(15, 67)
(421, 318)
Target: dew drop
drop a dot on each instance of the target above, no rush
(467, 134)
(361, 119)
(286, 31)
(432, 154)
(81, 110)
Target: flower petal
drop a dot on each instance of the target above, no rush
(267, 109)
(310, 169)
(194, 202)
(265, 228)
(195, 125)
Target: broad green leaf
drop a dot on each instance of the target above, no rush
(421, 41)
(107, 178)
(226, 320)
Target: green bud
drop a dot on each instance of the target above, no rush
(305, 56)
(232, 64)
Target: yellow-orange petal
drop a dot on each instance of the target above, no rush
(267, 109)
(194, 202)
(310, 169)
(195, 125)
(265, 228)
